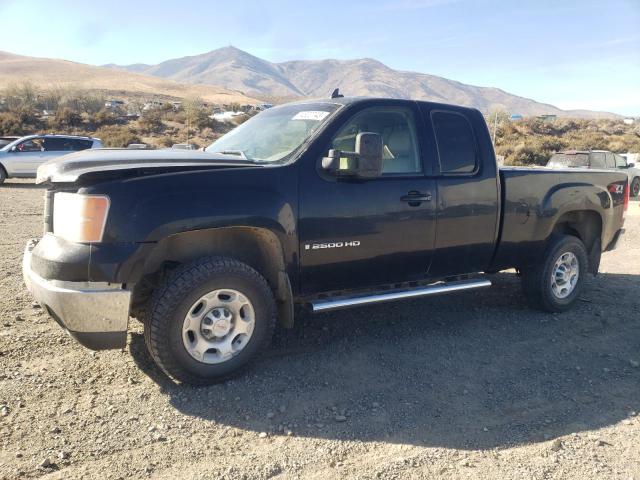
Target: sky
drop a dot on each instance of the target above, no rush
(570, 53)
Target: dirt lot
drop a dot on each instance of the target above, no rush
(473, 385)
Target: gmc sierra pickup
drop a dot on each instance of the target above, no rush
(323, 204)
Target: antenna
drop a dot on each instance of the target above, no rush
(336, 94)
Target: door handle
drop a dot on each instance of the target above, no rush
(415, 198)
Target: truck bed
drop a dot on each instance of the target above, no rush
(535, 199)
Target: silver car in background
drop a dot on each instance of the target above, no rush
(600, 159)
(22, 157)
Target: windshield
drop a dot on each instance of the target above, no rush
(275, 133)
(569, 160)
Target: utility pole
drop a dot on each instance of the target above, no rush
(495, 127)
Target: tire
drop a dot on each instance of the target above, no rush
(635, 187)
(172, 326)
(3, 174)
(549, 287)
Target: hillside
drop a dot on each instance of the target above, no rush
(235, 69)
(49, 73)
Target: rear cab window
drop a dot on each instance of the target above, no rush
(455, 143)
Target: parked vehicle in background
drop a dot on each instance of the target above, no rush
(184, 146)
(22, 157)
(139, 146)
(4, 141)
(600, 159)
(325, 204)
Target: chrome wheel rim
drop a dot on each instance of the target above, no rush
(218, 326)
(565, 274)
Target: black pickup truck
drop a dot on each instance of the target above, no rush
(319, 204)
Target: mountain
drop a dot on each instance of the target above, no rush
(48, 73)
(235, 69)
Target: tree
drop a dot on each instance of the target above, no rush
(195, 114)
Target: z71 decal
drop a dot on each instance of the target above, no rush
(318, 246)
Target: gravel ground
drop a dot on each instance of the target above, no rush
(472, 385)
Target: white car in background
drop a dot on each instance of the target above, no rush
(22, 157)
(600, 159)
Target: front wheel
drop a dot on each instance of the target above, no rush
(209, 320)
(3, 174)
(555, 282)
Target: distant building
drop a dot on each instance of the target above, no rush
(629, 121)
(547, 118)
(515, 117)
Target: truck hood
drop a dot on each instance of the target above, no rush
(69, 168)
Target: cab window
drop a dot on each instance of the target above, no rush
(610, 160)
(597, 160)
(456, 143)
(396, 126)
(31, 145)
(620, 161)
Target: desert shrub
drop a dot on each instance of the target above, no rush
(19, 97)
(117, 136)
(151, 121)
(10, 124)
(166, 141)
(19, 122)
(65, 118)
(101, 118)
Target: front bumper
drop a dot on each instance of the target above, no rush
(94, 313)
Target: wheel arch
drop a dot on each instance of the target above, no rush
(587, 226)
(258, 247)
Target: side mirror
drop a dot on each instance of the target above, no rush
(365, 162)
(631, 165)
(14, 149)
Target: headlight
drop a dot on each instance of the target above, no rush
(80, 218)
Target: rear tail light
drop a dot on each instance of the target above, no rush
(626, 196)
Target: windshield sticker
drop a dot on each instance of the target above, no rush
(316, 115)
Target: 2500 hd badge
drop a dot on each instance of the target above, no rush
(318, 246)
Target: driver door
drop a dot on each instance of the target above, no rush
(357, 233)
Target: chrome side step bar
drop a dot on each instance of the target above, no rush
(325, 305)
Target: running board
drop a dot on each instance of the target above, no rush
(325, 305)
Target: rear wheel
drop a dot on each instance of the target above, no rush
(555, 282)
(209, 320)
(3, 174)
(635, 187)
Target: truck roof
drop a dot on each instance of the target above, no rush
(354, 100)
